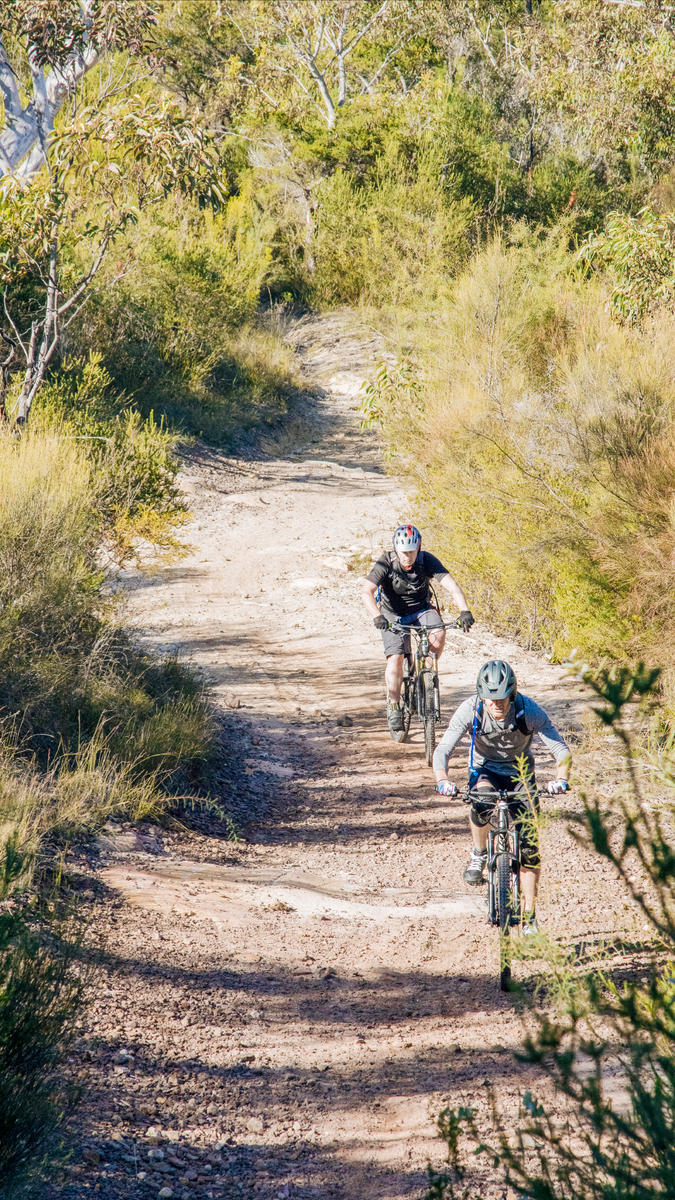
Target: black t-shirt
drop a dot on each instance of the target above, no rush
(405, 592)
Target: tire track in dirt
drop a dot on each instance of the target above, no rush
(285, 1015)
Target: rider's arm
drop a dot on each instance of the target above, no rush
(460, 722)
(374, 579)
(368, 594)
(451, 585)
(538, 720)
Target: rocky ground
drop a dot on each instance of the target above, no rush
(284, 1015)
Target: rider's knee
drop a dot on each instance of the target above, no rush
(479, 815)
(534, 865)
(530, 857)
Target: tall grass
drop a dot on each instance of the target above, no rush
(68, 675)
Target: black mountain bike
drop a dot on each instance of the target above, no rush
(503, 868)
(420, 693)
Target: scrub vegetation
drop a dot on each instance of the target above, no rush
(491, 183)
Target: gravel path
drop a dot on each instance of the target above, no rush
(283, 1016)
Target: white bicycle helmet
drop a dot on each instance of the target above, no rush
(406, 538)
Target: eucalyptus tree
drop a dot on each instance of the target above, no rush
(325, 51)
(88, 141)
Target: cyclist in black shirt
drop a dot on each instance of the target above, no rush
(402, 578)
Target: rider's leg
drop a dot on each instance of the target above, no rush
(434, 622)
(529, 882)
(526, 818)
(479, 835)
(478, 823)
(393, 677)
(437, 641)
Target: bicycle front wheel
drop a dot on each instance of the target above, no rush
(505, 906)
(429, 716)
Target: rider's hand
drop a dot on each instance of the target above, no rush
(555, 786)
(445, 788)
(466, 620)
(380, 622)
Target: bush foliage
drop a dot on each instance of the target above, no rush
(538, 434)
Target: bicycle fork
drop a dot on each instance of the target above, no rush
(500, 841)
(422, 668)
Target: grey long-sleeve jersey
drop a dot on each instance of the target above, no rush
(497, 745)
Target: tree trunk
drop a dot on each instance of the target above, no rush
(39, 356)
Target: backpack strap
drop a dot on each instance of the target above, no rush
(477, 716)
(519, 721)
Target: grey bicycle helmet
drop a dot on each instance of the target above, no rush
(496, 681)
(406, 538)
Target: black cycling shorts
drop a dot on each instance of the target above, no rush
(522, 811)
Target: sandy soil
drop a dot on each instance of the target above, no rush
(284, 1016)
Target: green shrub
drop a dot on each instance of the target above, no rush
(179, 336)
(638, 253)
(134, 462)
(404, 227)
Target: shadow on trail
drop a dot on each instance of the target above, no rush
(283, 1101)
(383, 999)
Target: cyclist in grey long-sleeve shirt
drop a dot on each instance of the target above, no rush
(502, 723)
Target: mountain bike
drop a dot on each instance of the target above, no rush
(503, 871)
(420, 693)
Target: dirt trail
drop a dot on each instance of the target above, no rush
(283, 1016)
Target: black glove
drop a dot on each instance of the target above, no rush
(380, 622)
(466, 620)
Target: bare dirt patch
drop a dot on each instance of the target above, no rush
(284, 1016)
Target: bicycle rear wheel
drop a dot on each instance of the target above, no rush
(505, 912)
(429, 700)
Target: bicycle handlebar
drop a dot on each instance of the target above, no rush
(395, 627)
(472, 794)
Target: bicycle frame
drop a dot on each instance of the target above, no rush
(421, 693)
(417, 663)
(418, 658)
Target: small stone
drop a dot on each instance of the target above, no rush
(91, 1155)
(165, 1193)
(123, 1057)
(154, 1134)
(155, 1153)
(255, 1125)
